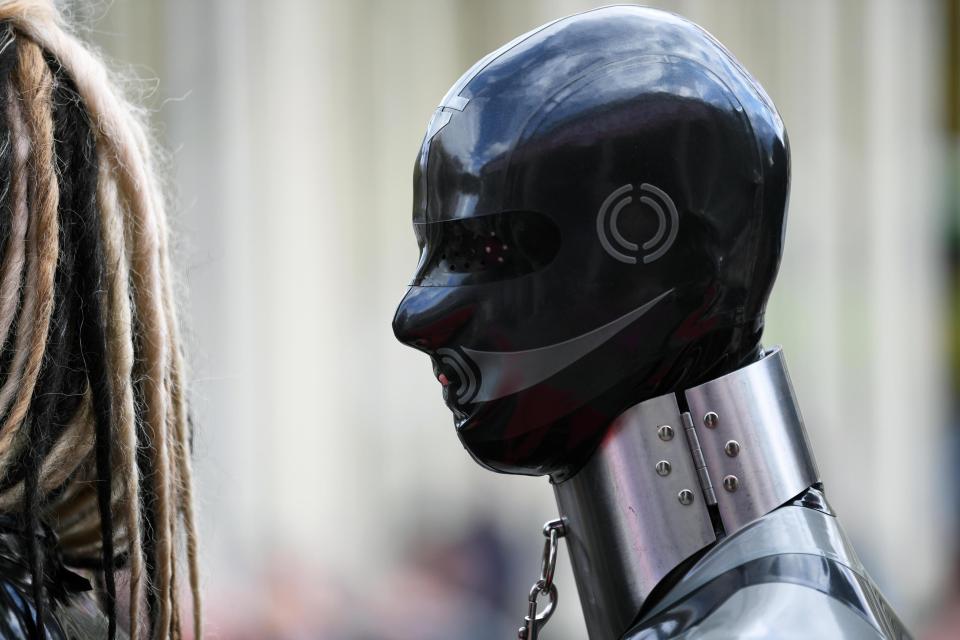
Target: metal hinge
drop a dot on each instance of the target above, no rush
(694, 443)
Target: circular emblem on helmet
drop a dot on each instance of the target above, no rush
(653, 200)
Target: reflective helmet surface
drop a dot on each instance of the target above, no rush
(600, 208)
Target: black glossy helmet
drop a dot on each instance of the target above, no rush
(600, 209)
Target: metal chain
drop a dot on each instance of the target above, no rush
(534, 622)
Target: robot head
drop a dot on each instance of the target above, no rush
(600, 209)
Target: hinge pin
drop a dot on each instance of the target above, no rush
(694, 443)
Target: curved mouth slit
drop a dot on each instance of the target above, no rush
(461, 381)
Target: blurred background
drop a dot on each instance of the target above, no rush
(336, 501)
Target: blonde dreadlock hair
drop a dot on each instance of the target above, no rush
(94, 433)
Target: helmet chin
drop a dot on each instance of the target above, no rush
(552, 428)
(496, 440)
(543, 430)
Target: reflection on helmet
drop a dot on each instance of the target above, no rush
(634, 179)
(484, 248)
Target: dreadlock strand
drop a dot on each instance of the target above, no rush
(73, 129)
(35, 85)
(186, 473)
(13, 162)
(20, 193)
(179, 422)
(120, 358)
(7, 62)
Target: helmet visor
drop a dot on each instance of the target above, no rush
(483, 249)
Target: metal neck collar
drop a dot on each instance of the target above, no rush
(642, 505)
